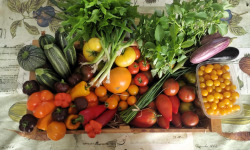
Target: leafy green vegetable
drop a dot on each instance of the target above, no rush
(109, 20)
(170, 38)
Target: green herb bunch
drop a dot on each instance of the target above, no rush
(109, 20)
(167, 40)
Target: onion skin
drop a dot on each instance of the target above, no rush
(209, 50)
(244, 65)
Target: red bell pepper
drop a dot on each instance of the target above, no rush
(95, 126)
(175, 103)
(164, 105)
(62, 100)
(92, 113)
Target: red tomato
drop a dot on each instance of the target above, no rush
(149, 75)
(141, 80)
(143, 89)
(170, 87)
(152, 105)
(163, 122)
(133, 68)
(144, 65)
(189, 119)
(145, 118)
(187, 93)
(176, 120)
(137, 52)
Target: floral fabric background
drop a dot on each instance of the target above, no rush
(23, 20)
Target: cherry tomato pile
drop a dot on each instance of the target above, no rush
(218, 92)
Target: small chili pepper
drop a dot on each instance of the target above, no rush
(30, 87)
(72, 109)
(61, 87)
(60, 114)
(27, 123)
(73, 121)
(62, 99)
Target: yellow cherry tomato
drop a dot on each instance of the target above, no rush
(217, 66)
(226, 75)
(214, 77)
(201, 79)
(202, 68)
(209, 89)
(206, 105)
(210, 98)
(210, 66)
(204, 92)
(218, 89)
(127, 58)
(209, 83)
(221, 104)
(226, 101)
(214, 106)
(200, 72)
(227, 82)
(210, 111)
(226, 67)
(222, 85)
(216, 83)
(208, 69)
(226, 94)
(217, 95)
(202, 85)
(219, 72)
(235, 95)
(214, 72)
(236, 107)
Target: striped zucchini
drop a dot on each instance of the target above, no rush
(45, 39)
(46, 77)
(57, 60)
(70, 53)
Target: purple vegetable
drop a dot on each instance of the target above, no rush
(208, 38)
(209, 50)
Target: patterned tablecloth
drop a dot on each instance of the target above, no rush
(21, 21)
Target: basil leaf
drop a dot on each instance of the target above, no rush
(187, 44)
(201, 15)
(222, 27)
(159, 33)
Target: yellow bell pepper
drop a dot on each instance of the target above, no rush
(81, 89)
(127, 58)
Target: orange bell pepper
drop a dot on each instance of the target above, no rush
(73, 121)
(44, 122)
(41, 103)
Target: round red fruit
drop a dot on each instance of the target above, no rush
(133, 68)
(187, 93)
(170, 87)
(141, 79)
(144, 65)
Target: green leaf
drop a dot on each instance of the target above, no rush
(14, 5)
(187, 44)
(149, 45)
(237, 30)
(177, 9)
(182, 57)
(217, 6)
(33, 5)
(154, 71)
(201, 15)
(94, 17)
(235, 19)
(159, 33)
(212, 29)
(222, 28)
(31, 29)
(14, 26)
(54, 25)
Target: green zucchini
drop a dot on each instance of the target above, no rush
(45, 39)
(61, 41)
(46, 77)
(57, 60)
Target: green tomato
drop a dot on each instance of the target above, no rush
(181, 83)
(184, 106)
(190, 77)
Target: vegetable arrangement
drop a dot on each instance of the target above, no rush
(108, 79)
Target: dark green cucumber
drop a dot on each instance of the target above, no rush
(46, 77)
(45, 39)
(57, 60)
(61, 41)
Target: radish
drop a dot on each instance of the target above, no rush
(209, 50)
